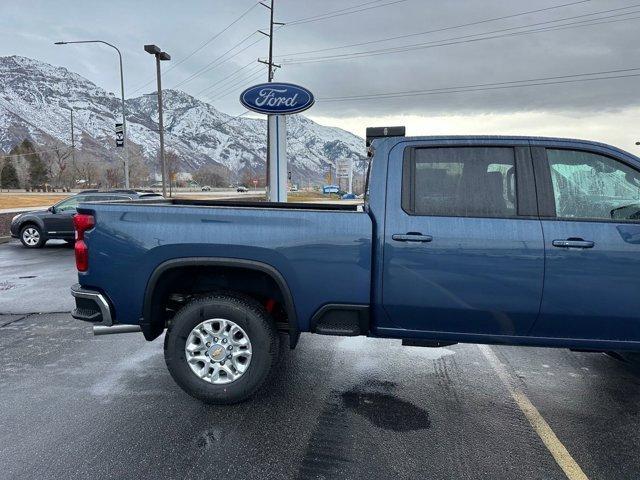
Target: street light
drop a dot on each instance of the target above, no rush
(160, 56)
(124, 118)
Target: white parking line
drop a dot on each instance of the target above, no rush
(559, 452)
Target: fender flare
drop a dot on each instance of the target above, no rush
(145, 322)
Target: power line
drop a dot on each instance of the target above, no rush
(337, 13)
(37, 152)
(252, 73)
(244, 14)
(443, 29)
(466, 39)
(292, 22)
(211, 39)
(452, 40)
(237, 87)
(215, 63)
(232, 74)
(554, 80)
(234, 88)
(212, 64)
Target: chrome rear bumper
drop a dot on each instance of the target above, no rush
(93, 307)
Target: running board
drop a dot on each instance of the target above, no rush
(411, 342)
(342, 320)
(104, 330)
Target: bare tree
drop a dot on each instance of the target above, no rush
(211, 175)
(111, 175)
(60, 164)
(87, 172)
(138, 171)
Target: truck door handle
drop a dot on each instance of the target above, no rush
(573, 243)
(412, 237)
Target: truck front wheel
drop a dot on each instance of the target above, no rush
(221, 348)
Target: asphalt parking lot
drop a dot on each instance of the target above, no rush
(36, 280)
(77, 406)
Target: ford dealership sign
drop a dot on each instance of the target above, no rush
(277, 98)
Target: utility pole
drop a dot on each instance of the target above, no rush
(73, 142)
(270, 65)
(272, 194)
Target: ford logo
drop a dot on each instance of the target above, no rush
(277, 98)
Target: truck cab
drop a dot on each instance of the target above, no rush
(509, 240)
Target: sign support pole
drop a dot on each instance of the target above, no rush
(277, 174)
(277, 100)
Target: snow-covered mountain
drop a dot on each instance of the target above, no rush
(35, 99)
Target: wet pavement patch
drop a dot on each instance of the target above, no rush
(7, 285)
(328, 450)
(330, 447)
(386, 411)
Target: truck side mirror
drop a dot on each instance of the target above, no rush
(52, 209)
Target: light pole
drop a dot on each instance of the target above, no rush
(124, 117)
(160, 56)
(73, 141)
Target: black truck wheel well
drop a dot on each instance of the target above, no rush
(175, 282)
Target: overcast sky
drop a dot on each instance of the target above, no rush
(567, 41)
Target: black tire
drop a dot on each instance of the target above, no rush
(24, 235)
(252, 318)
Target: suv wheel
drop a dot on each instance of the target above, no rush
(31, 236)
(221, 348)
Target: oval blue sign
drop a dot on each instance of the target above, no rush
(277, 98)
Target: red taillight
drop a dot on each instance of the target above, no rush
(82, 256)
(82, 223)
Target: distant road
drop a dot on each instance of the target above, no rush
(218, 194)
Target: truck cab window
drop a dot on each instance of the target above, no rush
(460, 182)
(591, 186)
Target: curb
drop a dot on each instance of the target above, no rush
(4, 240)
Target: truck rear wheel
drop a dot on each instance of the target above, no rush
(221, 348)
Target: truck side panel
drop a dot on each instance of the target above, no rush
(324, 256)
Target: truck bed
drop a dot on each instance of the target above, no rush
(322, 251)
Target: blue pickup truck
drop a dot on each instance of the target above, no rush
(499, 240)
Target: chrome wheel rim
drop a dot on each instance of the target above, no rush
(218, 351)
(31, 236)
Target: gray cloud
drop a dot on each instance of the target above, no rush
(179, 27)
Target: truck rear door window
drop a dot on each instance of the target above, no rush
(460, 182)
